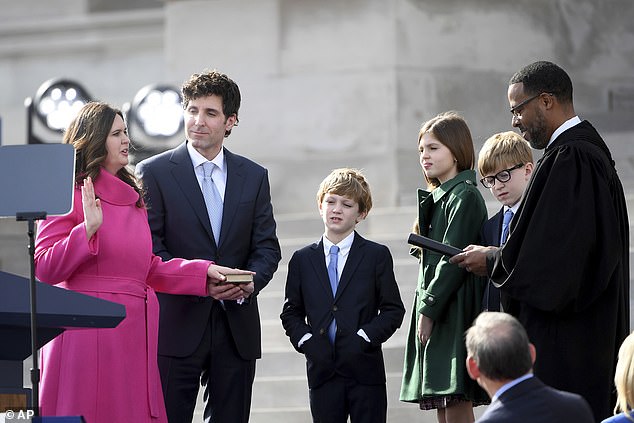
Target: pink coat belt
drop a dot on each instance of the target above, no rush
(136, 288)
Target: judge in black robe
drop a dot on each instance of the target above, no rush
(564, 270)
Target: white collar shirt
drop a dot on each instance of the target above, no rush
(219, 174)
(344, 249)
(564, 126)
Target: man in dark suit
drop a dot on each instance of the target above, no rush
(505, 162)
(206, 202)
(342, 302)
(500, 358)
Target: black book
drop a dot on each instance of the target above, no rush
(435, 246)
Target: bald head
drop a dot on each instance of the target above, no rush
(499, 345)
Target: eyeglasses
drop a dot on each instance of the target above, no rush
(502, 176)
(516, 110)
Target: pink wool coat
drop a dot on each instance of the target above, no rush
(109, 375)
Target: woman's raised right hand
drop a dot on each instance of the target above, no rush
(93, 215)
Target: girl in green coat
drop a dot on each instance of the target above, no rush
(447, 297)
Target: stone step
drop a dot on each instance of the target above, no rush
(400, 413)
(292, 392)
(286, 362)
(285, 399)
(395, 413)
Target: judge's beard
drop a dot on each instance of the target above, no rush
(537, 132)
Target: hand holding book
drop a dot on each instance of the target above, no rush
(224, 283)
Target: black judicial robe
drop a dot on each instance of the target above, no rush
(564, 270)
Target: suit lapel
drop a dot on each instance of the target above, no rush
(183, 173)
(496, 235)
(355, 257)
(233, 192)
(318, 260)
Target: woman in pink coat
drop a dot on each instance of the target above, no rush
(103, 248)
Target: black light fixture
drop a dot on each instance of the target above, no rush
(55, 104)
(155, 119)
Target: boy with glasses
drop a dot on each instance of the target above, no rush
(506, 165)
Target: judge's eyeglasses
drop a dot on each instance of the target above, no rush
(516, 110)
(502, 176)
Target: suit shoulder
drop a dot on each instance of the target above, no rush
(569, 397)
(378, 247)
(244, 161)
(306, 250)
(496, 414)
(156, 160)
(375, 252)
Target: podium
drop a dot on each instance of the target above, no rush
(58, 309)
(27, 197)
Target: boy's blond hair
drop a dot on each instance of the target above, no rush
(624, 377)
(503, 150)
(349, 183)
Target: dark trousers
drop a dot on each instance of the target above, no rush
(341, 397)
(227, 378)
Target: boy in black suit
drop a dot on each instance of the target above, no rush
(506, 165)
(341, 333)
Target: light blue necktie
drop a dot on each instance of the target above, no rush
(334, 282)
(508, 215)
(213, 201)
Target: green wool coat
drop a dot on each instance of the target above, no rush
(452, 213)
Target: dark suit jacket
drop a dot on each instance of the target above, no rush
(181, 228)
(367, 298)
(491, 232)
(531, 401)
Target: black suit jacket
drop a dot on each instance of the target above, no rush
(491, 232)
(181, 228)
(367, 298)
(531, 401)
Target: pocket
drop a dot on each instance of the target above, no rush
(316, 350)
(365, 346)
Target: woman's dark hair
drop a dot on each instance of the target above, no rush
(88, 133)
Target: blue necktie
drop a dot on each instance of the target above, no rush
(213, 201)
(334, 282)
(508, 215)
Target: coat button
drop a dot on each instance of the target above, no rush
(322, 331)
(335, 308)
